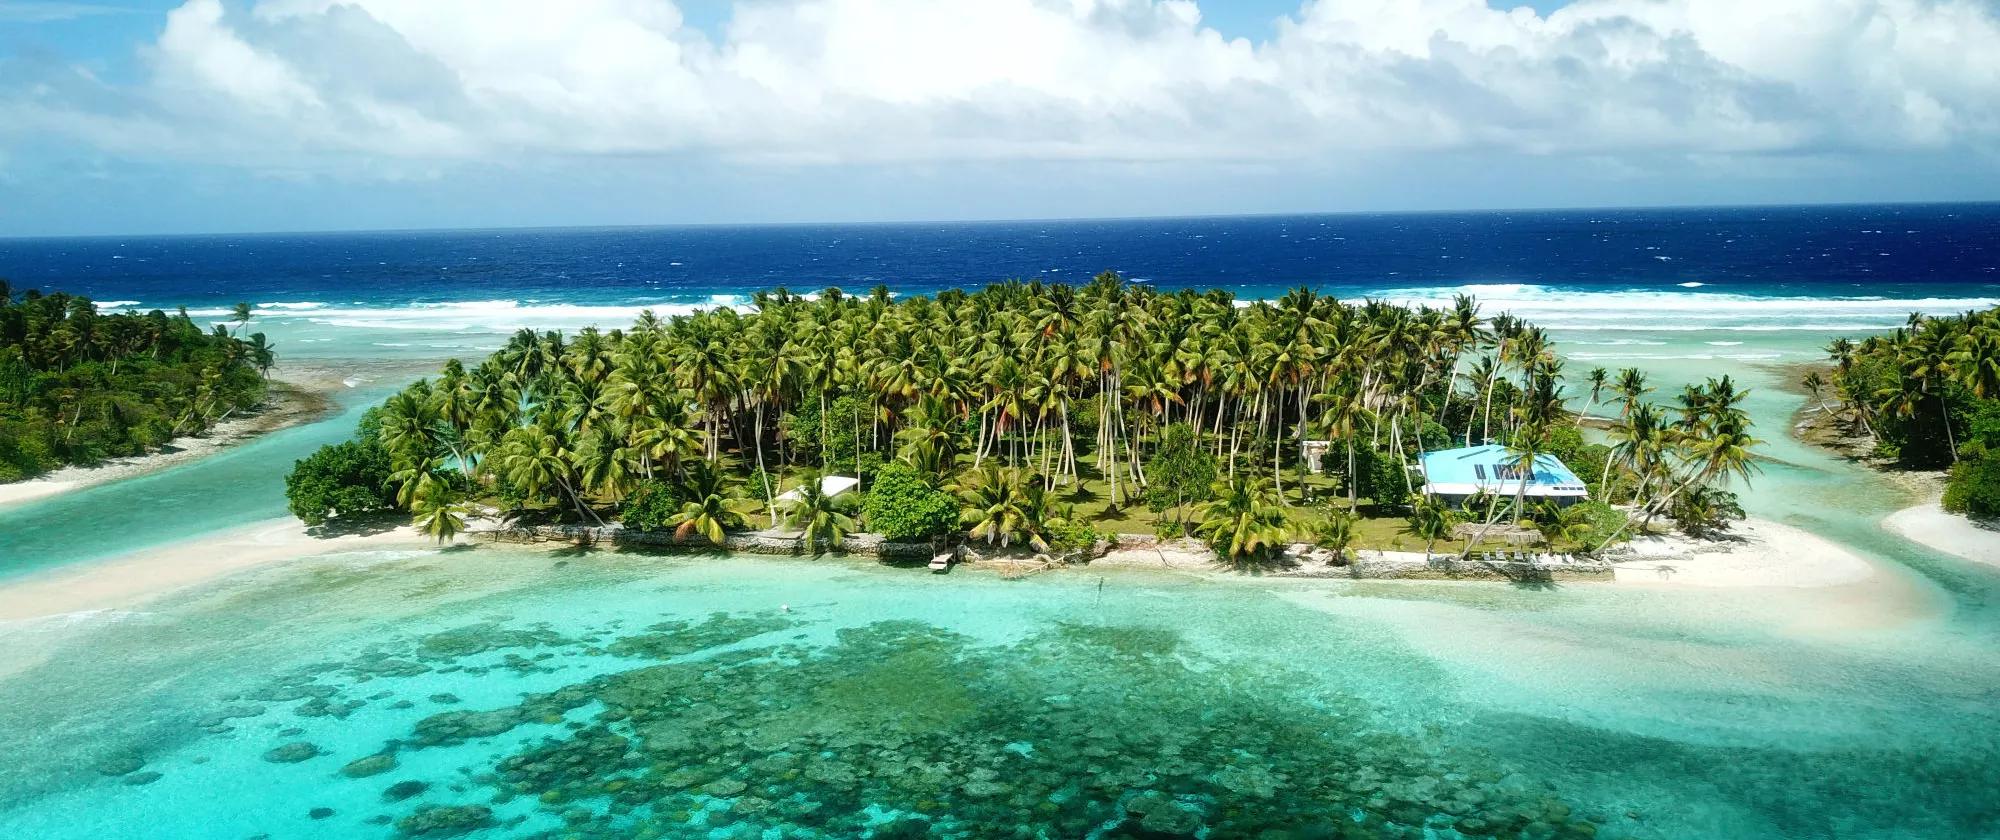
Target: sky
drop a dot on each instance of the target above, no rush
(195, 116)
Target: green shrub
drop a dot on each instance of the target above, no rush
(1066, 534)
(1378, 476)
(1588, 524)
(1705, 509)
(846, 423)
(901, 506)
(1564, 442)
(344, 479)
(650, 506)
(1180, 471)
(1974, 487)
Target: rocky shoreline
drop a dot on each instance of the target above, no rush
(1299, 560)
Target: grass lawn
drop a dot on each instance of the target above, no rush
(1090, 501)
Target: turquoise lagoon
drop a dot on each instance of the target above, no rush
(606, 694)
(526, 693)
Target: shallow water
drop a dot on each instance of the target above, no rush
(236, 486)
(677, 696)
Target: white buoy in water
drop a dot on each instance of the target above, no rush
(784, 607)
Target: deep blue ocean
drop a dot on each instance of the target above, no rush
(1900, 251)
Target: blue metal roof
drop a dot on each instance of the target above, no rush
(1492, 465)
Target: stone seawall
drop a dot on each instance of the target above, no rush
(1384, 566)
(1299, 561)
(748, 542)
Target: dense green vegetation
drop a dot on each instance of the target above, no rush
(1043, 415)
(1929, 393)
(77, 387)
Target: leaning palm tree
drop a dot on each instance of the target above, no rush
(1815, 384)
(1599, 377)
(819, 516)
(262, 354)
(439, 514)
(240, 314)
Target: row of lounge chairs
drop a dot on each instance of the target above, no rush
(1528, 558)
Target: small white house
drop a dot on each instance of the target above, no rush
(831, 485)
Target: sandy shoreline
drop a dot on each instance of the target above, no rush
(296, 397)
(133, 579)
(1758, 554)
(1755, 553)
(1929, 525)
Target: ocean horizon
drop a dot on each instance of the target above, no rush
(372, 690)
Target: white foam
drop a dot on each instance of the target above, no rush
(1692, 284)
(292, 306)
(479, 317)
(115, 304)
(1723, 343)
(1643, 310)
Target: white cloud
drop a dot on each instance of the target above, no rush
(323, 85)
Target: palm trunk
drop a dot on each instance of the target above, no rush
(1353, 498)
(770, 503)
(1949, 439)
(1486, 414)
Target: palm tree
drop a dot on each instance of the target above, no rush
(1002, 509)
(1599, 377)
(1431, 520)
(261, 355)
(1815, 384)
(1631, 390)
(1977, 359)
(538, 459)
(707, 510)
(439, 514)
(240, 314)
(411, 427)
(1335, 531)
(1243, 521)
(819, 516)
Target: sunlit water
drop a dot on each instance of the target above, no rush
(516, 692)
(688, 697)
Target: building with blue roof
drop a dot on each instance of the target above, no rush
(1459, 474)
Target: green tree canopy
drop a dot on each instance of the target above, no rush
(902, 506)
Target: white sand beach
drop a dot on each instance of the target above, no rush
(1928, 524)
(301, 398)
(131, 580)
(1754, 553)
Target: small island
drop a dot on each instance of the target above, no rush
(1923, 403)
(78, 387)
(1050, 420)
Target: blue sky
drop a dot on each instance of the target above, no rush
(143, 116)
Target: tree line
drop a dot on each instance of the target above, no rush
(77, 386)
(1024, 412)
(1929, 395)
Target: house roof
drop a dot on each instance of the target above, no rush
(1494, 469)
(832, 485)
